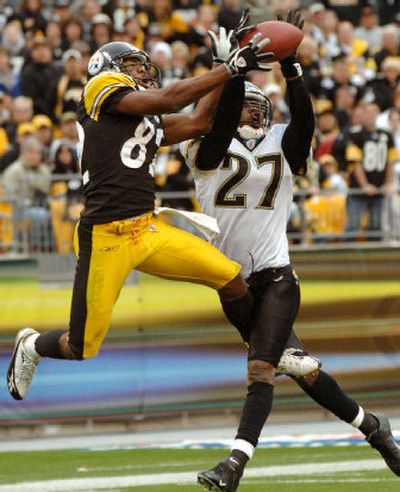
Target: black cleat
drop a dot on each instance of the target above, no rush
(383, 441)
(223, 477)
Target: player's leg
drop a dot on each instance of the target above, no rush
(277, 301)
(324, 390)
(179, 255)
(102, 267)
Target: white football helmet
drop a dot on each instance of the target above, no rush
(260, 108)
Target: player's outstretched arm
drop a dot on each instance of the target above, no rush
(179, 127)
(180, 94)
(215, 144)
(296, 141)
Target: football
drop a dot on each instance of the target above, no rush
(285, 38)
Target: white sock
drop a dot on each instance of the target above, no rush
(243, 446)
(29, 346)
(358, 420)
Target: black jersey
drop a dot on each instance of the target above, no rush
(374, 150)
(117, 152)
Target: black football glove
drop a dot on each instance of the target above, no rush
(290, 66)
(242, 29)
(242, 60)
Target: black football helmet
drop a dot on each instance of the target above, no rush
(112, 57)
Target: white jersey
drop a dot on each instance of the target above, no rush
(250, 195)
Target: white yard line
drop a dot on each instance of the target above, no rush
(114, 483)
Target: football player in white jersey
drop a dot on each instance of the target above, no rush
(243, 171)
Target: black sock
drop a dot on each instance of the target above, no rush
(369, 424)
(47, 344)
(238, 312)
(328, 394)
(255, 412)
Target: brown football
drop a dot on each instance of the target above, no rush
(284, 38)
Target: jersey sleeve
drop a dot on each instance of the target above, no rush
(104, 91)
(189, 151)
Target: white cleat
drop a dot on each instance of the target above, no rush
(22, 366)
(294, 362)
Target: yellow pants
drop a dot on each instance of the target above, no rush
(108, 252)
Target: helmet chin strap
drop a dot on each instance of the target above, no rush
(248, 132)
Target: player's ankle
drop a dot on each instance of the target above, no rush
(369, 424)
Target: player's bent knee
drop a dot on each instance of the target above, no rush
(261, 371)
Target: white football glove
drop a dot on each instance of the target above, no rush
(221, 45)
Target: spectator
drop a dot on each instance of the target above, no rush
(360, 61)
(381, 89)
(327, 128)
(28, 181)
(72, 32)
(44, 133)
(371, 154)
(330, 177)
(31, 18)
(161, 55)
(101, 31)
(163, 24)
(134, 32)
(388, 10)
(369, 29)
(68, 130)
(204, 21)
(63, 160)
(24, 131)
(390, 45)
(309, 59)
(341, 76)
(7, 77)
(21, 112)
(39, 78)
(54, 39)
(180, 59)
(345, 100)
(70, 84)
(88, 9)
(348, 10)
(62, 13)
(13, 39)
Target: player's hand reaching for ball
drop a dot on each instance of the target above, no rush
(251, 57)
(221, 44)
(290, 66)
(242, 28)
(293, 17)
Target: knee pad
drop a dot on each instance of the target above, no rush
(261, 371)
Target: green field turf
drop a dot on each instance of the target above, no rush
(279, 469)
(154, 300)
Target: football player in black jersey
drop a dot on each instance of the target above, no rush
(245, 139)
(120, 130)
(370, 154)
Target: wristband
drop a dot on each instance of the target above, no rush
(291, 68)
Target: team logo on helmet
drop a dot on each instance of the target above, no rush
(96, 63)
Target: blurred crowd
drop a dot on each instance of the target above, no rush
(351, 61)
